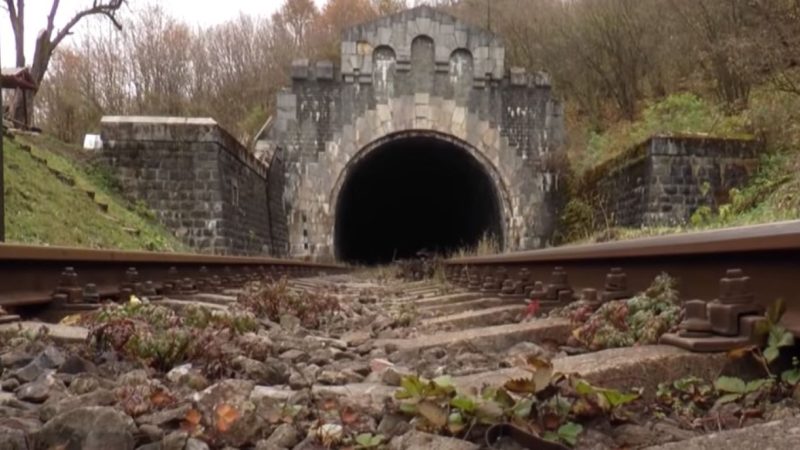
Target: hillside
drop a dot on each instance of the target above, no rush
(772, 194)
(56, 196)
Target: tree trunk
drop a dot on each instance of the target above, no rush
(24, 101)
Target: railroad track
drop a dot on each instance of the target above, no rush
(53, 276)
(744, 269)
(471, 330)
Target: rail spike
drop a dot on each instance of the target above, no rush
(68, 290)
(724, 324)
(557, 292)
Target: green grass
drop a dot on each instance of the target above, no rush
(43, 210)
(771, 195)
(683, 113)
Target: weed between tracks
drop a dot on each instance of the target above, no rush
(640, 320)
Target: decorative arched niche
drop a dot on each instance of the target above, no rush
(423, 63)
(384, 62)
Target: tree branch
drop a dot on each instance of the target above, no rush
(107, 9)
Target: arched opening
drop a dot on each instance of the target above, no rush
(415, 192)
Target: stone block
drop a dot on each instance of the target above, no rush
(300, 69)
(324, 70)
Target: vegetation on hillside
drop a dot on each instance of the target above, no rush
(633, 68)
(54, 198)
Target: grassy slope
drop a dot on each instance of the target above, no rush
(773, 194)
(41, 209)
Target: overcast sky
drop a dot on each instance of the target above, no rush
(200, 12)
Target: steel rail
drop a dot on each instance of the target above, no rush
(768, 254)
(32, 275)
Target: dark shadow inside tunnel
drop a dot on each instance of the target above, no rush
(414, 193)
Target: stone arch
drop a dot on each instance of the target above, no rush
(423, 62)
(500, 199)
(384, 64)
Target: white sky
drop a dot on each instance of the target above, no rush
(200, 12)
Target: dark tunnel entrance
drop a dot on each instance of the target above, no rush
(414, 193)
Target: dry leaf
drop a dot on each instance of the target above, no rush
(161, 399)
(433, 413)
(739, 353)
(191, 420)
(226, 416)
(330, 404)
(521, 386)
(349, 416)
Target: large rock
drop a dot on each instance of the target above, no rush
(416, 440)
(285, 436)
(50, 358)
(269, 373)
(55, 407)
(12, 439)
(777, 435)
(91, 428)
(226, 407)
(39, 390)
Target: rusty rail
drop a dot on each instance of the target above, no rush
(767, 259)
(44, 275)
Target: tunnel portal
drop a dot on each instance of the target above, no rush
(414, 193)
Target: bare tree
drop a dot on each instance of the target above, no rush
(48, 40)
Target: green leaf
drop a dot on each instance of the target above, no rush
(503, 398)
(730, 384)
(771, 354)
(776, 310)
(728, 398)
(617, 398)
(412, 386)
(464, 403)
(755, 385)
(444, 381)
(569, 432)
(780, 337)
(791, 377)
(377, 440)
(584, 388)
(364, 440)
(455, 423)
(409, 408)
(550, 436)
(522, 410)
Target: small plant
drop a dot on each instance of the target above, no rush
(545, 403)
(640, 320)
(773, 334)
(369, 441)
(734, 389)
(792, 376)
(688, 397)
(567, 433)
(272, 300)
(162, 349)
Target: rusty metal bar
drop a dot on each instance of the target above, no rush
(768, 254)
(42, 275)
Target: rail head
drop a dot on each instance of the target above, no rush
(12, 253)
(758, 238)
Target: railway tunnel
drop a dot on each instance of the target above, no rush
(411, 193)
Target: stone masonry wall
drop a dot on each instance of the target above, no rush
(664, 180)
(201, 183)
(426, 72)
(683, 167)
